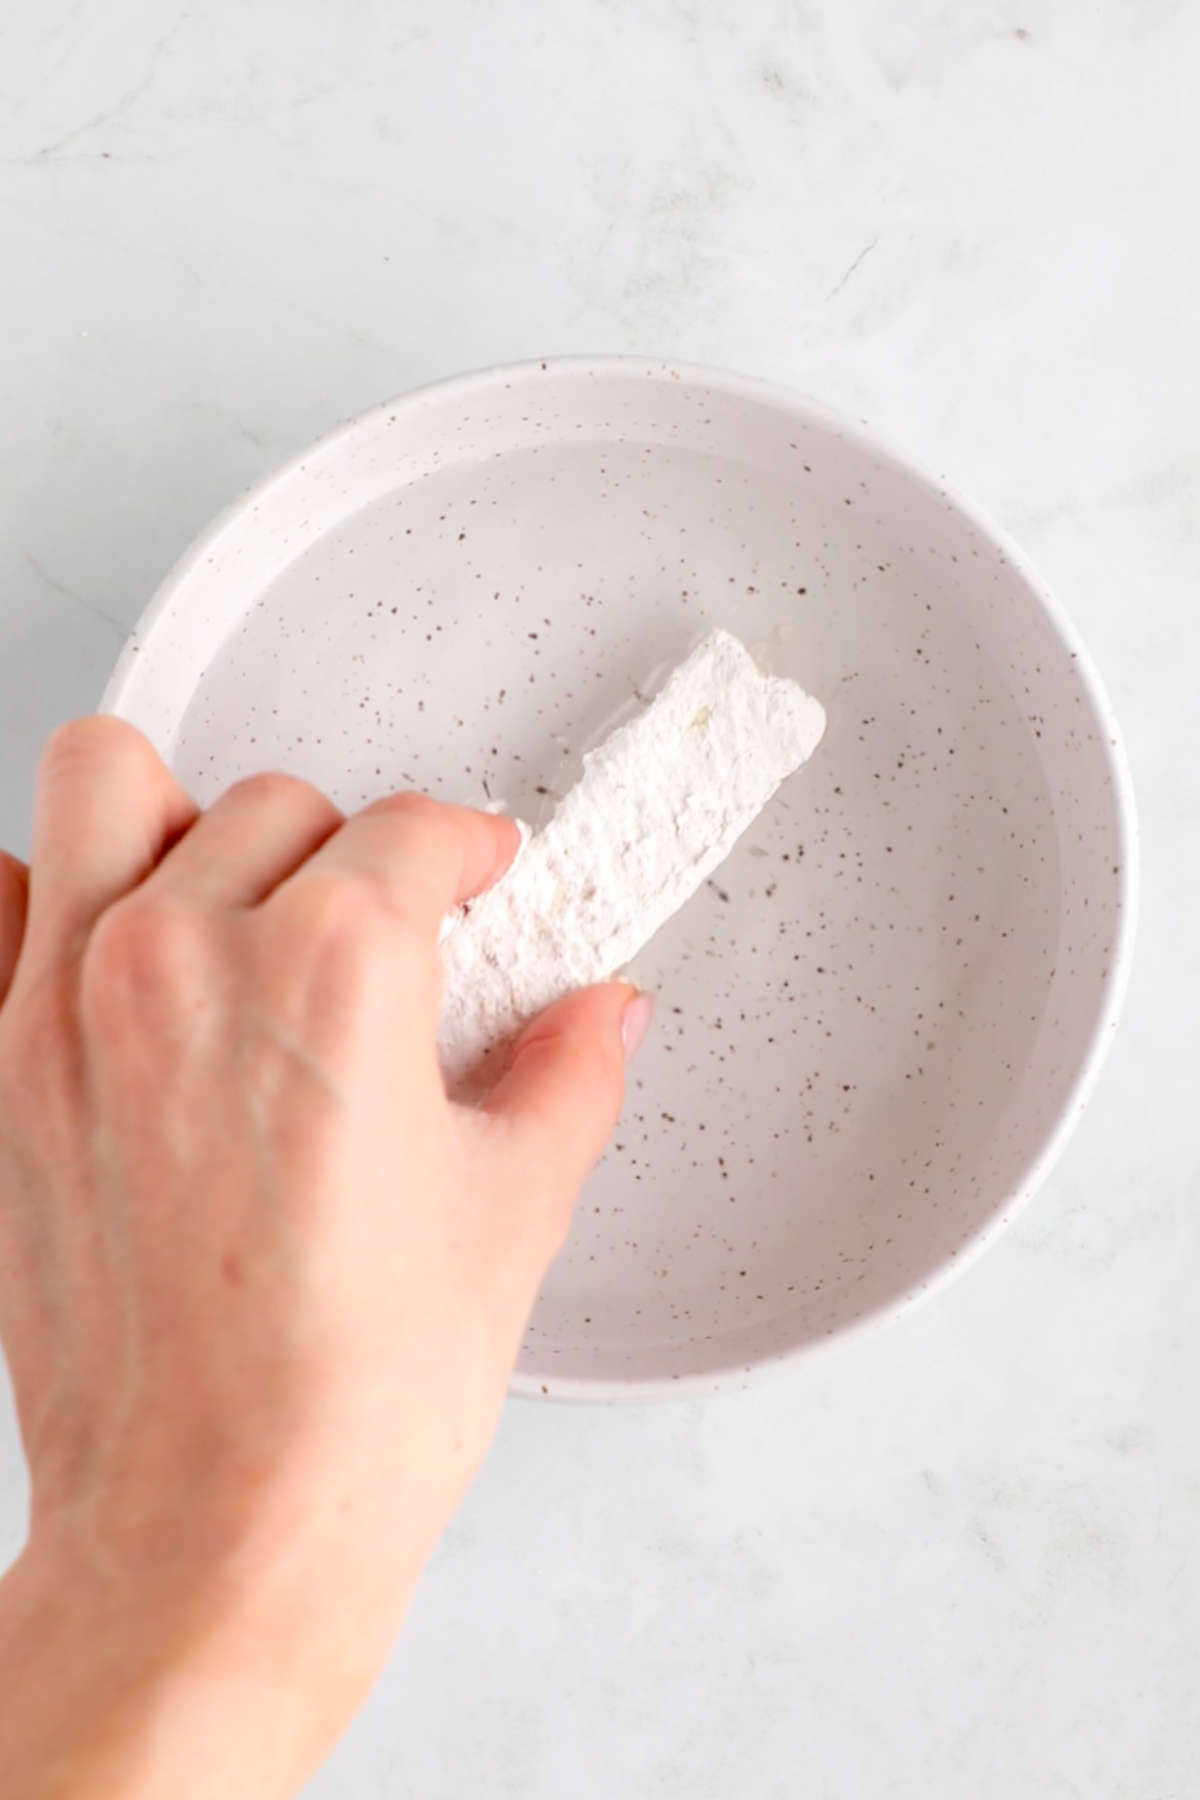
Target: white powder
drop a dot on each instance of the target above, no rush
(659, 805)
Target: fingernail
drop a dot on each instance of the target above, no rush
(635, 1023)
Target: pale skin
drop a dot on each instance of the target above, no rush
(261, 1283)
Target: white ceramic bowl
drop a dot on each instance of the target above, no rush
(878, 1025)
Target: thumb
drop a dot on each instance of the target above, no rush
(562, 1091)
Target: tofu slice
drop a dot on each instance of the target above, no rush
(659, 805)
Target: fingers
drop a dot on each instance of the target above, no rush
(106, 807)
(562, 1092)
(421, 858)
(14, 894)
(256, 835)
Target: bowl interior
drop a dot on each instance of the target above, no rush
(874, 1019)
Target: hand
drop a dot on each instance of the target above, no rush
(261, 1283)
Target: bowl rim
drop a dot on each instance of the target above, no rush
(783, 396)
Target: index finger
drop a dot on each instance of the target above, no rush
(421, 857)
(105, 811)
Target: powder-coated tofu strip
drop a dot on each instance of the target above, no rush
(659, 805)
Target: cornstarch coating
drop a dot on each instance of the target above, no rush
(659, 806)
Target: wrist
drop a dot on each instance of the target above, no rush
(109, 1690)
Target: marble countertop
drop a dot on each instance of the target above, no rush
(962, 1559)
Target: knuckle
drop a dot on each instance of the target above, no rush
(576, 1063)
(142, 950)
(98, 737)
(417, 814)
(272, 789)
(408, 805)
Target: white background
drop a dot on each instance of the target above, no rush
(961, 1558)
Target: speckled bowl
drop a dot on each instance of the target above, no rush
(878, 1024)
